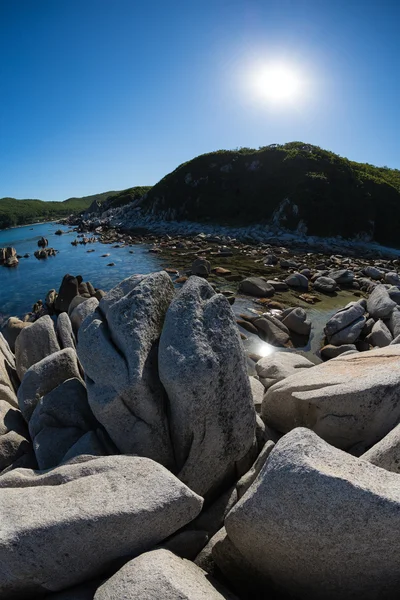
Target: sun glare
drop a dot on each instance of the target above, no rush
(278, 83)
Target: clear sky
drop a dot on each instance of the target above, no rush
(99, 95)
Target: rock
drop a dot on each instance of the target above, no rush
(351, 399)
(204, 559)
(248, 478)
(349, 334)
(380, 335)
(14, 436)
(373, 272)
(276, 367)
(296, 320)
(80, 312)
(12, 329)
(392, 278)
(98, 502)
(288, 264)
(74, 303)
(50, 299)
(35, 343)
(187, 543)
(8, 257)
(43, 242)
(379, 304)
(257, 390)
(342, 276)
(9, 381)
(343, 318)
(393, 322)
(212, 518)
(325, 284)
(44, 376)
(394, 294)
(247, 325)
(65, 334)
(279, 286)
(312, 508)
(160, 574)
(272, 330)
(60, 419)
(330, 351)
(221, 271)
(68, 290)
(297, 280)
(255, 286)
(386, 453)
(271, 259)
(203, 370)
(201, 267)
(117, 347)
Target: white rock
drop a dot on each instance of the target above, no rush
(279, 365)
(68, 524)
(330, 522)
(349, 400)
(80, 312)
(34, 343)
(386, 453)
(203, 369)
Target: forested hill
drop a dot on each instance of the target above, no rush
(298, 185)
(22, 212)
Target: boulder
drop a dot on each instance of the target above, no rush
(352, 399)
(343, 318)
(256, 286)
(69, 524)
(201, 267)
(394, 294)
(296, 321)
(64, 330)
(272, 330)
(393, 322)
(392, 278)
(9, 381)
(212, 517)
(349, 334)
(386, 453)
(297, 280)
(60, 419)
(279, 365)
(380, 335)
(12, 329)
(14, 436)
(203, 370)
(50, 299)
(380, 304)
(117, 346)
(68, 290)
(330, 351)
(342, 276)
(279, 286)
(35, 343)
(257, 390)
(44, 376)
(160, 574)
(247, 479)
(373, 272)
(80, 312)
(312, 508)
(325, 284)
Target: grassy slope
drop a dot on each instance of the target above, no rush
(334, 196)
(22, 212)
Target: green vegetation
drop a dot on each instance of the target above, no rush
(23, 212)
(118, 199)
(328, 194)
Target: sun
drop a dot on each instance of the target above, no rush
(278, 83)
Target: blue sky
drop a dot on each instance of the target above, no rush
(106, 94)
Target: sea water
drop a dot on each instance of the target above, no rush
(22, 286)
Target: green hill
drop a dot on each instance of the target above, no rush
(22, 212)
(118, 199)
(300, 185)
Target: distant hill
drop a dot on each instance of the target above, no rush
(117, 199)
(22, 212)
(297, 185)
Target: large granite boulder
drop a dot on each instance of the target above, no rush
(345, 326)
(65, 334)
(80, 312)
(9, 381)
(320, 523)
(160, 574)
(386, 453)
(34, 343)
(15, 445)
(295, 319)
(342, 276)
(380, 304)
(12, 329)
(59, 425)
(256, 286)
(69, 524)
(117, 346)
(44, 376)
(352, 399)
(325, 284)
(279, 365)
(203, 369)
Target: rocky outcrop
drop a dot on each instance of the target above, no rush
(312, 508)
(115, 506)
(35, 343)
(160, 574)
(353, 399)
(203, 370)
(117, 347)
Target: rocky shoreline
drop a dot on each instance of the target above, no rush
(139, 460)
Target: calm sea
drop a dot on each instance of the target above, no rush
(22, 286)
